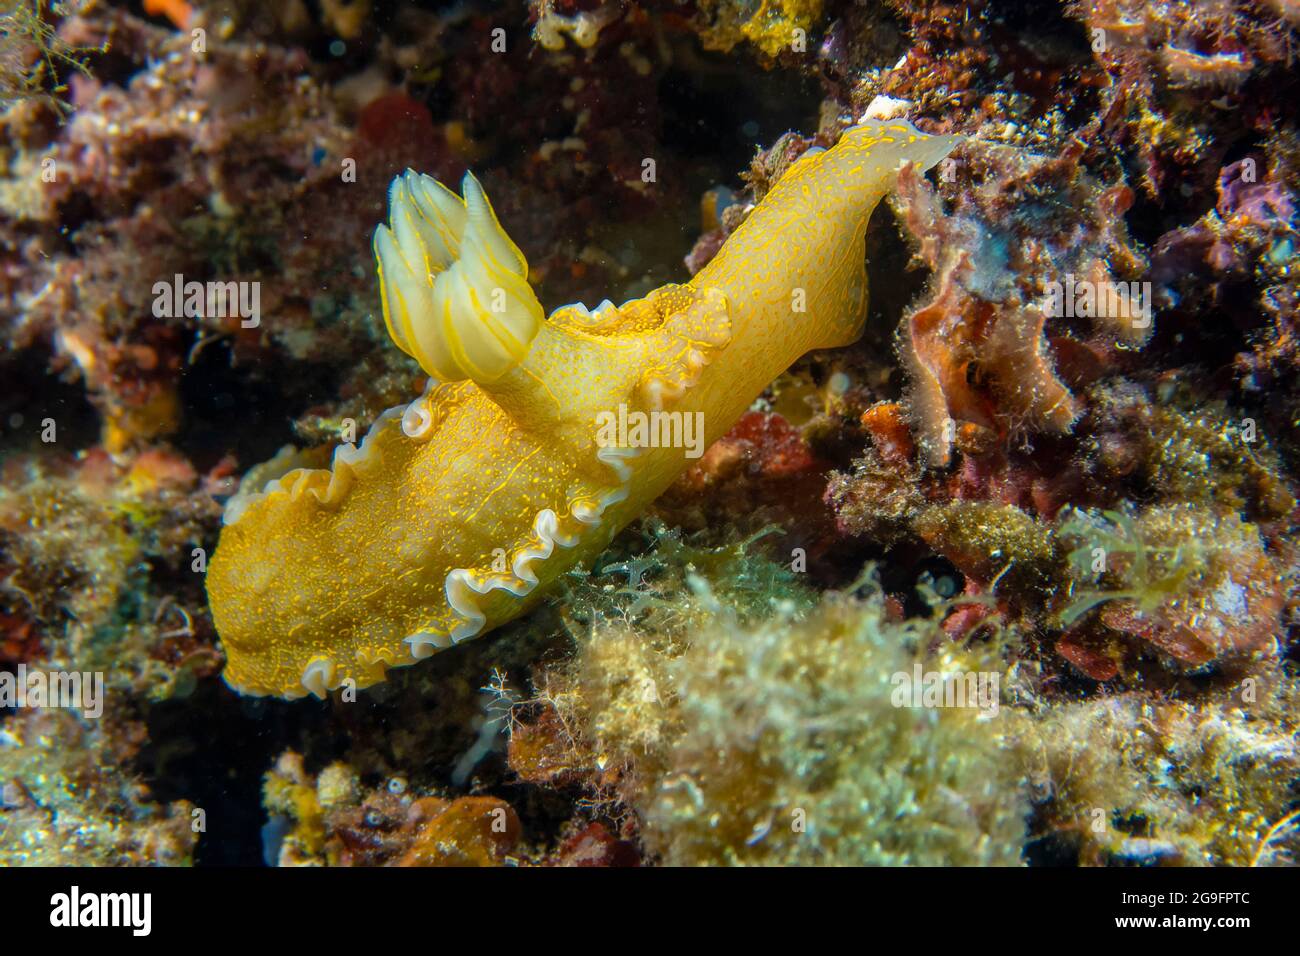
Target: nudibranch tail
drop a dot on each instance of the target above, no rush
(454, 287)
(801, 251)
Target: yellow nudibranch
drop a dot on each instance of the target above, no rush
(458, 510)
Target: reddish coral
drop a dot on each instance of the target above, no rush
(762, 455)
(1099, 660)
(387, 828)
(977, 350)
(467, 831)
(20, 641)
(594, 845)
(885, 423)
(762, 472)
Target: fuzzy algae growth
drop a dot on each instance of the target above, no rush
(456, 512)
(745, 719)
(749, 721)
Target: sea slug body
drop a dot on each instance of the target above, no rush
(457, 511)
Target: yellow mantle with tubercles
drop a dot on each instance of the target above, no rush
(457, 511)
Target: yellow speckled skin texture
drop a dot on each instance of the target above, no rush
(459, 510)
